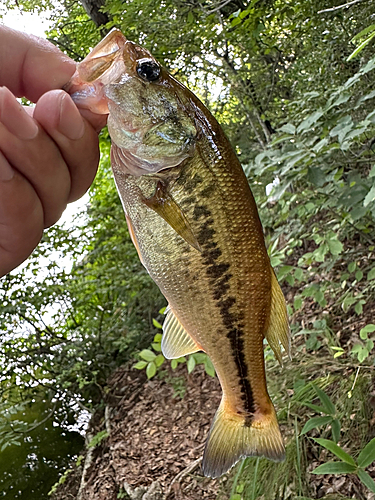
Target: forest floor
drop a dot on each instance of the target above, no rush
(156, 434)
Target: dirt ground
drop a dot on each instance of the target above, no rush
(156, 439)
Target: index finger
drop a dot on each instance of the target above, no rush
(31, 66)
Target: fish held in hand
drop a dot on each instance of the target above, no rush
(194, 222)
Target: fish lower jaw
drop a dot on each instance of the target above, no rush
(88, 95)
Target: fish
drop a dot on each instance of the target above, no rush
(194, 222)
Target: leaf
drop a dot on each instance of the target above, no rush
(191, 364)
(338, 354)
(289, 128)
(368, 67)
(156, 324)
(147, 355)
(174, 364)
(336, 429)
(316, 408)
(358, 308)
(351, 267)
(343, 97)
(329, 407)
(361, 352)
(297, 304)
(159, 360)
(335, 246)
(365, 330)
(316, 176)
(151, 369)
(334, 468)
(359, 275)
(309, 121)
(367, 455)
(158, 337)
(369, 197)
(209, 367)
(366, 480)
(315, 422)
(361, 47)
(200, 357)
(371, 274)
(336, 450)
(363, 32)
(140, 365)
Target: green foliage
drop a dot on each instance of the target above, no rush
(152, 361)
(363, 349)
(293, 89)
(122, 494)
(98, 438)
(347, 464)
(370, 31)
(329, 412)
(61, 481)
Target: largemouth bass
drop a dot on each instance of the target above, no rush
(194, 222)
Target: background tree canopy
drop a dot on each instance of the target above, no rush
(292, 84)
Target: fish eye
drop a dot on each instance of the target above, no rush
(148, 70)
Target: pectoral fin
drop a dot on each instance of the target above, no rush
(278, 329)
(164, 205)
(176, 342)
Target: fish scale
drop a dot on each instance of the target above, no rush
(194, 222)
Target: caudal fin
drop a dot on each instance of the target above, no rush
(232, 438)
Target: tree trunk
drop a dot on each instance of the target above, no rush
(92, 7)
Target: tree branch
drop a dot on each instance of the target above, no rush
(349, 4)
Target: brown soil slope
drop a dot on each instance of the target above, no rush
(156, 440)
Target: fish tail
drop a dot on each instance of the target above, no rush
(233, 437)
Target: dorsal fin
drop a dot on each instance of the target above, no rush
(176, 342)
(278, 329)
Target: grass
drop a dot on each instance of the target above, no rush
(261, 479)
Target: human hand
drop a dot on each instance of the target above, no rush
(48, 153)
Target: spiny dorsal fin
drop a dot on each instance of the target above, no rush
(164, 205)
(176, 342)
(278, 329)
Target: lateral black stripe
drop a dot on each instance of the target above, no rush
(219, 275)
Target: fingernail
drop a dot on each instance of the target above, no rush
(15, 118)
(70, 122)
(6, 171)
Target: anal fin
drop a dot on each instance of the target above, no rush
(278, 331)
(176, 342)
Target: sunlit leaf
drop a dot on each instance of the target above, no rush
(151, 369)
(147, 355)
(156, 323)
(140, 365)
